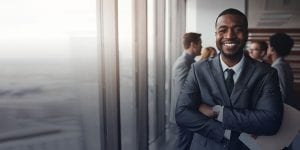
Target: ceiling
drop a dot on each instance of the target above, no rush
(274, 14)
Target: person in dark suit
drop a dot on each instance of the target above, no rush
(231, 95)
(279, 47)
(192, 47)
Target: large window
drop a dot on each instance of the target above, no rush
(49, 83)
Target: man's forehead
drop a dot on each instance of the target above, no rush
(230, 19)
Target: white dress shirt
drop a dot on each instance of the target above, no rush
(237, 68)
(244, 137)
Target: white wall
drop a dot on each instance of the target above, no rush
(201, 16)
(191, 15)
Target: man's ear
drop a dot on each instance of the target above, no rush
(192, 44)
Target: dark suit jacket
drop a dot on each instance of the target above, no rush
(286, 80)
(254, 107)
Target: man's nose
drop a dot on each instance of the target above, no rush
(230, 34)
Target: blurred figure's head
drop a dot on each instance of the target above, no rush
(280, 45)
(192, 43)
(258, 49)
(208, 52)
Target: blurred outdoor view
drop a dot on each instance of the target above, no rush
(48, 76)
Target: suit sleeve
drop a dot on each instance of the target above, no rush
(188, 116)
(265, 117)
(180, 75)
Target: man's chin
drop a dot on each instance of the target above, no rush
(231, 54)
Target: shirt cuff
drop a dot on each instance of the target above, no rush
(219, 110)
(227, 134)
(249, 141)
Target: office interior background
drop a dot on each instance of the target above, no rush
(96, 74)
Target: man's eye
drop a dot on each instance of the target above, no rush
(222, 31)
(238, 29)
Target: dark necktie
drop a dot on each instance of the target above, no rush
(229, 81)
(229, 85)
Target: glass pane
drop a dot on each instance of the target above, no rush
(152, 90)
(127, 76)
(48, 91)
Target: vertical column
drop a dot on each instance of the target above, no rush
(167, 60)
(160, 64)
(109, 75)
(133, 74)
(152, 108)
(141, 72)
(178, 23)
(176, 27)
(156, 65)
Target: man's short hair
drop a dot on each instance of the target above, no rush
(281, 43)
(233, 11)
(190, 37)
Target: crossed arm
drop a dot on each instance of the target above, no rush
(265, 119)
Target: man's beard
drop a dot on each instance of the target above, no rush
(234, 56)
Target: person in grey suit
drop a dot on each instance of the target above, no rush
(192, 47)
(279, 47)
(231, 96)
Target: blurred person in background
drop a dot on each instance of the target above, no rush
(280, 46)
(258, 49)
(206, 53)
(192, 47)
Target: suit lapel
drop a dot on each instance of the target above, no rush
(242, 80)
(218, 76)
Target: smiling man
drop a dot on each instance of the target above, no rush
(230, 94)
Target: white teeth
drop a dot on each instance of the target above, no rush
(230, 44)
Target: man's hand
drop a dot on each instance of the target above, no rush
(207, 110)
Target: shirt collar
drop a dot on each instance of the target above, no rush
(237, 68)
(276, 61)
